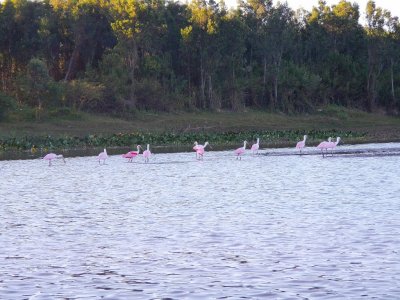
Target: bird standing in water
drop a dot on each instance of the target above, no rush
(52, 156)
(102, 156)
(200, 149)
(240, 151)
(147, 154)
(324, 145)
(132, 154)
(255, 147)
(302, 144)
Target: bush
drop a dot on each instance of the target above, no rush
(85, 95)
(6, 104)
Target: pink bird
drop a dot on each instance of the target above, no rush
(200, 149)
(332, 145)
(52, 156)
(146, 153)
(195, 146)
(240, 151)
(302, 144)
(132, 154)
(255, 147)
(324, 145)
(102, 156)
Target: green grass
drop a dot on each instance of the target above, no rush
(223, 128)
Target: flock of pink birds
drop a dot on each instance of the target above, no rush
(325, 145)
(200, 150)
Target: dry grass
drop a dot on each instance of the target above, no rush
(377, 126)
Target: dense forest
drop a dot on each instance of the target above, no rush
(120, 56)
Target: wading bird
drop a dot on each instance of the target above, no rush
(102, 156)
(332, 145)
(52, 156)
(200, 149)
(132, 154)
(255, 147)
(240, 151)
(324, 145)
(302, 144)
(146, 153)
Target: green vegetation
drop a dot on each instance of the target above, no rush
(226, 129)
(121, 57)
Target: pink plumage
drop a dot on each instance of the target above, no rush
(324, 145)
(332, 145)
(255, 147)
(52, 156)
(240, 151)
(302, 144)
(102, 156)
(196, 146)
(132, 154)
(147, 153)
(200, 149)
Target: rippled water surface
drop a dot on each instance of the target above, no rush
(265, 227)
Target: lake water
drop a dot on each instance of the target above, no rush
(265, 227)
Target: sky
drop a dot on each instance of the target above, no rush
(392, 5)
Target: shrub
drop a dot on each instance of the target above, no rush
(6, 103)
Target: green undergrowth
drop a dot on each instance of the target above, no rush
(272, 137)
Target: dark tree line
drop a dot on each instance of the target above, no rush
(118, 56)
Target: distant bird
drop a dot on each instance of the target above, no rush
(240, 151)
(302, 144)
(132, 154)
(324, 145)
(332, 145)
(52, 156)
(146, 153)
(102, 156)
(200, 149)
(255, 147)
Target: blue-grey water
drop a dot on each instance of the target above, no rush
(265, 227)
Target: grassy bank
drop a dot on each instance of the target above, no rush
(224, 128)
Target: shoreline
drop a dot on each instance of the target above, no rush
(172, 132)
(162, 149)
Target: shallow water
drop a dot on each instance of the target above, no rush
(265, 227)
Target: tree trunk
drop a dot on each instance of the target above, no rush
(202, 84)
(210, 93)
(371, 81)
(132, 64)
(264, 80)
(276, 79)
(71, 71)
(392, 80)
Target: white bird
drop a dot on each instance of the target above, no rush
(102, 156)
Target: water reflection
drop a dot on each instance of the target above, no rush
(273, 227)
